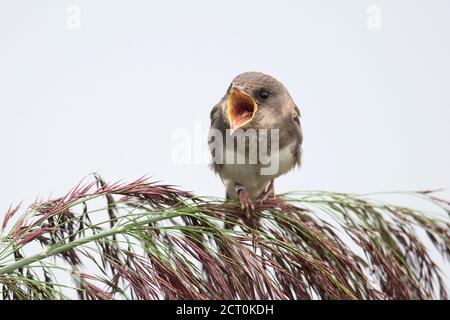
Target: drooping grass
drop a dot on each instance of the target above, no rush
(145, 240)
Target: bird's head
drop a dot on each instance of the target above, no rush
(254, 99)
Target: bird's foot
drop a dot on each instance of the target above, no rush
(245, 201)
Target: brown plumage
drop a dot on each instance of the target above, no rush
(254, 101)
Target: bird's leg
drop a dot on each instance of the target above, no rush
(244, 199)
(269, 193)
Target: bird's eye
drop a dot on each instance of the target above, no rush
(264, 94)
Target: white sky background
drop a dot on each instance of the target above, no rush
(107, 97)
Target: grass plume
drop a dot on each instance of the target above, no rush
(144, 240)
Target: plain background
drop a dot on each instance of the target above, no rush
(109, 96)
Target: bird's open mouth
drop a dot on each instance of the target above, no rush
(240, 108)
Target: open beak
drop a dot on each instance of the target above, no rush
(241, 108)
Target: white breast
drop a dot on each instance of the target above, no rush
(251, 176)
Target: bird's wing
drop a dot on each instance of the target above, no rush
(216, 124)
(214, 115)
(299, 135)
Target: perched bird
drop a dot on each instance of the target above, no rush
(254, 101)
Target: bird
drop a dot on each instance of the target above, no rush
(254, 102)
